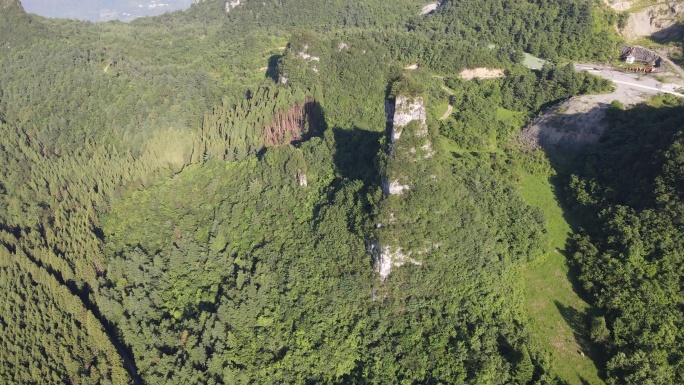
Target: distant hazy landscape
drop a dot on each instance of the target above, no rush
(103, 10)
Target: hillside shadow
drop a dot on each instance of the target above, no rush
(579, 323)
(567, 161)
(671, 34)
(354, 155)
(355, 152)
(272, 70)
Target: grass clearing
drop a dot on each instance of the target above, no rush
(558, 315)
(509, 116)
(533, 62)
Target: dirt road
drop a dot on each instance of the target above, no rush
(641, 82)
(448, 112)
(450, 107)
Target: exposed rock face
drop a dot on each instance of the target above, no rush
(304, 54)
(619, 5)
(231, 4)
(393, 188)
(308, 57)
(429, 8)
(387, 257)
(407, 111)
(389, 111)
(403, 112)
(295, 124)
(659, 21)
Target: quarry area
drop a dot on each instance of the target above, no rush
(658, 19)
(580, 120)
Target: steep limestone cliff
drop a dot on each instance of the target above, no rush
(409, 144)
(405, 111)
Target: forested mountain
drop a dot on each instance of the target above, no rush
(195, 197)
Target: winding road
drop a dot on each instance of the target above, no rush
(450, 107)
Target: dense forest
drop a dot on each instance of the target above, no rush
(198, 197)
(628, 190)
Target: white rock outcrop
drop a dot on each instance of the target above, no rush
(231, 4)
(394, 187)
(400, 113)
(387, 257)
(406, 111)
(429, 8)
(301, 178)
(308, 57)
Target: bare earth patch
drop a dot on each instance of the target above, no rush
(482, 73)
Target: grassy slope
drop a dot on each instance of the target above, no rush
(557, 314)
